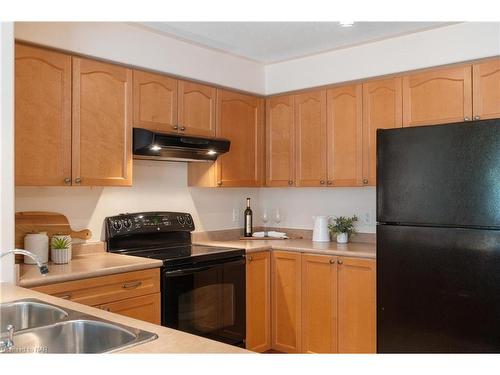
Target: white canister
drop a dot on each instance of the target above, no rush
(61, 256)
(320, 231)
(38, 244)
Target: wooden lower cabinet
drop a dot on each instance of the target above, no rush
(258, 301)
(319, 304)
(286, 301)
(135, 294)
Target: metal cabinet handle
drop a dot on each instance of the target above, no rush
(329, 182)
(250, 258)
(332, 261)
(183, 128)
(477, 117)
(466, 118)
(340, 261)
(132, 285)
(67, 181)
(322, 182)
(219, 183)
(365, 181)
(78, 180)
(290, 182)
(175, 127)
(65, 296)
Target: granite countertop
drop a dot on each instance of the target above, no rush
(84, 266)
(168, 341)
(352, 249)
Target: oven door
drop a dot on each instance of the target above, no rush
(207, 299)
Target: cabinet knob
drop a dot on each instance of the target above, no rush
(365, 181)
(290, 182)
(183, 128)
(477, 117)
(322, 182)
(67, 181)
(329, 182)
(466, 118)
(219, 183)
(175, 127)
(340, 261)
(78, 180)
(250, 258)
(332, 261)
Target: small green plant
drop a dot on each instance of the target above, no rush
(60, 243)
(343, 224)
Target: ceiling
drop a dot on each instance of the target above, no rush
(269, 42)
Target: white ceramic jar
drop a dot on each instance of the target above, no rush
(38, 244)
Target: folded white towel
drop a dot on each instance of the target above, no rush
(271, 233)
(258, 234)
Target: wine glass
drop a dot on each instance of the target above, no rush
(277, 216)
(265, 219)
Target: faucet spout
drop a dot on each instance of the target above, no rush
(41, 267)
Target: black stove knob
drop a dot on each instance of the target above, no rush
(127, 223)
(117, 224)
(189, 220)
(181, 220)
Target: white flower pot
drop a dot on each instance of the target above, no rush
(342, 238)
(60, 256)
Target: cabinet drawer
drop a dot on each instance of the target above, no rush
(145, 308)
(104, 289)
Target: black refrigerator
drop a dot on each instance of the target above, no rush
(438, 238)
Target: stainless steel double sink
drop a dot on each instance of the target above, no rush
(40, 327)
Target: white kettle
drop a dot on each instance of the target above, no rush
(320, 231)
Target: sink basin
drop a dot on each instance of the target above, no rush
(27, 314)
(74, 336)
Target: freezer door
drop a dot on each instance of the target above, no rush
(445, 175)
(438, 290)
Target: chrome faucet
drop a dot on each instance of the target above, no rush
(8, 343)
(42, 267)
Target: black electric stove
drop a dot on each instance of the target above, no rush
(203, 287)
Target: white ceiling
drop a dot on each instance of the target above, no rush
(269, 42)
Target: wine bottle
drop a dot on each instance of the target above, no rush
(248, 220)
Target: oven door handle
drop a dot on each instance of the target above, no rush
(185, 271)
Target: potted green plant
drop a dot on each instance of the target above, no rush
(343, 227)
(60, 246)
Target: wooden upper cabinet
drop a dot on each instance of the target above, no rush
(356, 306)
(345, 127)
(280, 140)
(155, 102)
(196, 106)
(42, 117)
(102, 123)
(382, 109)
(310, 138)
(319, 304)
(437, 96)
(240, 118)
(286, 321)
(258, 296)
(486, 89)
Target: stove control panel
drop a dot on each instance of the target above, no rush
(148, 222)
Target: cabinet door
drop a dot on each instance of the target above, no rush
(486, 89)
(344, 118)
(319, 304)
(310, 130)
(102, 124)
(382, 109)
(145, 308)
(280, 139)
(356, 306)
(155, 102)
(437, 96)
(286, 301)
(258, 275)
(197, 109)
(42, 117)
(240, 119)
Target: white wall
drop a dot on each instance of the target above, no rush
(7, 149)
(132, 44)
(157, 186)
(298, 205)
(445, 45)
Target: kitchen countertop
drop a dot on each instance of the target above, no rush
(351, 249)
(168, 341)
(84, 266)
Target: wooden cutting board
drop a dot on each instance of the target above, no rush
(41, 221)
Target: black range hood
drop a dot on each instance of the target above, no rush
(176, 147)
